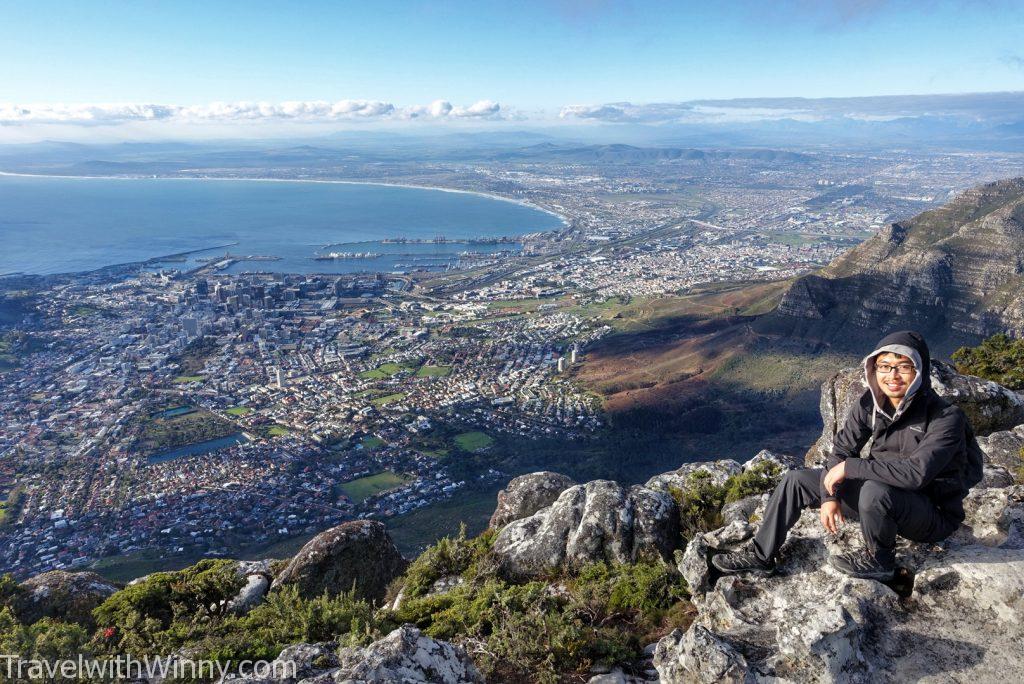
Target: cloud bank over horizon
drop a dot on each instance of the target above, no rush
(315, 111)
(976, 107)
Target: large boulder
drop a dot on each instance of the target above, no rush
(527, 494)
(990, 407)
(718, 471)
(68, 596)
(407, 655)
(359, 553)
(1005, 448)
(958, 613)
(597, 521)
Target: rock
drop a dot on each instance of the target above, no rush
(811, 623)
(406, 655)
(616, 676)
(995, 517)
(743, 509)
(250, 595)
(68, 596)
(1005, 448)
(527, 494)
(306, 660)
(359, 552)
(598, 521)
(995, 476)
(257, 576)
(698, 655)
(720, 471)
(989, 407)
(784, 461)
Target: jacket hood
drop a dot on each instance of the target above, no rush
(906, 343)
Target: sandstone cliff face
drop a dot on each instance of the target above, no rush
(955, 273)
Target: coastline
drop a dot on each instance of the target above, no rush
(490, 195)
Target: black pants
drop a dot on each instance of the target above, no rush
(884, 512)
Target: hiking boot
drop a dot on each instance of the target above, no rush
(863, 565)
(742, 561)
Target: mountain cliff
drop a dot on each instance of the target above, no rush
(956, 273)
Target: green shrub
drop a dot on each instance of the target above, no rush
(47, 639)
(286, 618)
(141, 615)
(759, 478)
(999, 358)
(533, 632)
(701, 502)
(458, 556)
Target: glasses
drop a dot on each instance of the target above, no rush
(902, 369)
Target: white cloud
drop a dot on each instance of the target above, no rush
(483, 109)
(315, 111)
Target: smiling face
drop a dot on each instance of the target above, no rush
(901, 373)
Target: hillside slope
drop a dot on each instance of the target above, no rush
(956, 273)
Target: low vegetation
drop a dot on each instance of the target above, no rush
(701, 502)
(553, 629)
(1000, 358)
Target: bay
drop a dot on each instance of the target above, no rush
(61, 225)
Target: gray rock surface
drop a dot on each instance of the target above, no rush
(600, 520)
(527, 494)
(811, 623)
(407, 655)
(679, 478)
(68, 596)
(359, 552)
(1005, 448)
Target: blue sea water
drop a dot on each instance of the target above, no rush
(61, 225)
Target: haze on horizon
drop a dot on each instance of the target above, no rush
(162, 70)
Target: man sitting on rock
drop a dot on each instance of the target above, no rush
(912, 481)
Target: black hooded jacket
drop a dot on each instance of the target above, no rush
(922, 446)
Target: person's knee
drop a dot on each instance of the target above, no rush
(875, 497)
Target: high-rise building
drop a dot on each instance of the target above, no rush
(191, 326)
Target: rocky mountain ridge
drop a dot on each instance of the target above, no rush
(956, 273)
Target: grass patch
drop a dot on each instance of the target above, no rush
(365, 487)
(239, 411)
(388, 399)
(381, 372)
(372, 442)
(473, 441)
(188, 378)
(277, 431)
(433, 371)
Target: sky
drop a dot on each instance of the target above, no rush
(225, 63)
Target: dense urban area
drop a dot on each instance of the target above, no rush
(195, 411)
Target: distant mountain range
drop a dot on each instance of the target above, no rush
(956, 273)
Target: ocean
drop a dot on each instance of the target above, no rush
(61, 225)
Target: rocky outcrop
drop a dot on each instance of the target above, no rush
(407, 655)
(600, 520)
(956, 273)
(719, 471)
(812, 623)
(68, 596)
(527, 494)
(358, 553)
(1005, 448)
(990, 407)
